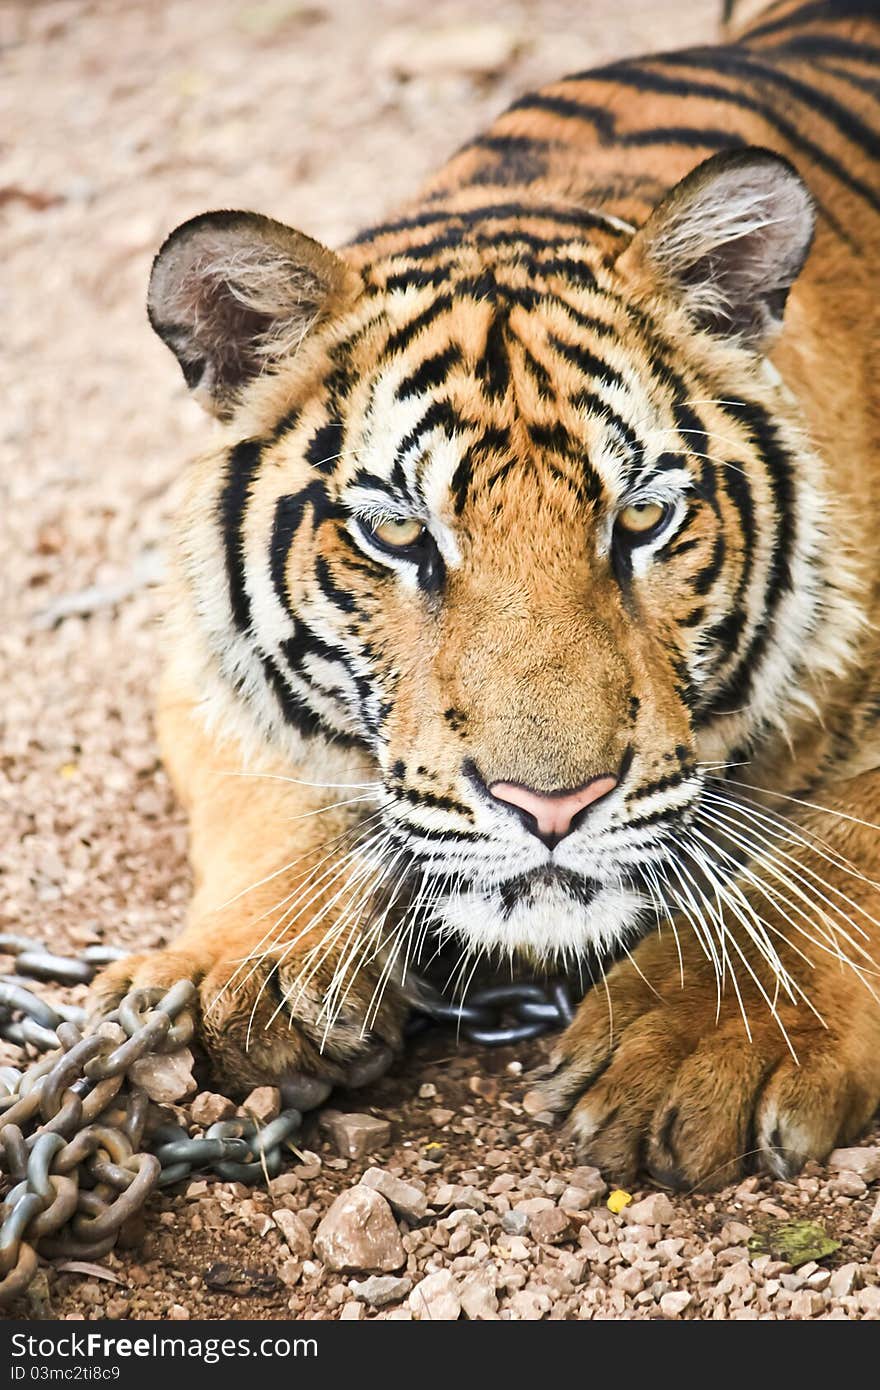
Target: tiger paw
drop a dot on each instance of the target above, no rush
(259, 1025)
(659, 1078)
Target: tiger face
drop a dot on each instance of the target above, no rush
(520, 516)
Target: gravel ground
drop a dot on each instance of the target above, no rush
(117, 120)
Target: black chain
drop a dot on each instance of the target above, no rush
(72, 1124)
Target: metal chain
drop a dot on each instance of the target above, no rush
(72, 1125)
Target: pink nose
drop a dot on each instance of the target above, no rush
(552, 812)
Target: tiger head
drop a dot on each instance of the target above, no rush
(511, 504)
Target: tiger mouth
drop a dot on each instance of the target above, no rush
(538, 883)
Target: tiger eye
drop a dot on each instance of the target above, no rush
(641, 517)
(399, 535)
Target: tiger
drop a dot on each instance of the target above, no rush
(526, 605)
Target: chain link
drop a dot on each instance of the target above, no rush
(73, 1125)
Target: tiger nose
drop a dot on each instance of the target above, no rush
(552, 815)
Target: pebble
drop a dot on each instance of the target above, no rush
(263, 1104)
(351, 1312)
(405, 1199)
(674, 1303)
(355, 1135)
(578, 1198)
(869, 1299)
(654, 1210)
(165, 1076)
(478, 1298)
(381, 1289)
(550, 1227)
(529, 1305)
(848, 1185)
(842, 1281)
(297, 1236)
(534, 1103)
(209, 1108)
(359, 1233)
(865, 1162)
(515, 1223)
(532, 1205)
(435, 1298)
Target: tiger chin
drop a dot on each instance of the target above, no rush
(527, 599)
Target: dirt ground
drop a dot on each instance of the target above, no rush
(118, 119)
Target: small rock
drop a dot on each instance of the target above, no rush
(865, 1162)
(842, 1281)
(440, 1117)
(428, 1091)
(577, 1199)
(209, 1108)
(355, 1135)
(435, 1298)
(629, 1281)
(478, 1298)
(297, 1236)
(381, 1289)
(869, 1299)
(550, 1227)
(532, 1205)
(673, 1304)
(874, 1218)
(263, 1104)
(351, 1312)
(404, 1198)
(529, 1306)
(588, 1180)
(484, 1086)
(848, 1185)
(806, 1304)
(177, 1312)
(654, 1210)
(165, 1076)
(290, 1272)
(534, 1102)
(515, 1223)
(359, 1233)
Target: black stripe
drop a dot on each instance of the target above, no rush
(403, 336)
(342, 598)
(846, 122)
(605, 123)
(583, 219)
(645, 79)
(778, 464)
(821, 10)
(289, 515)
(324, 447)
(704, 578)
(726, 633)
(241, 470)
(828, 46)
(494, 365)
(589, 401)
(431, 371)
(586, 361)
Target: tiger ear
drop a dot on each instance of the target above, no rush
(232, 293)
(727, 243)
